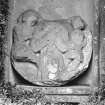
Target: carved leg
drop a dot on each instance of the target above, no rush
(75, 59)
(22, 51)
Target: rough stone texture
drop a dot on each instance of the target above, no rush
(16, 8)
(102, 40)
(3, 36)
(71, 52)
(95, 39)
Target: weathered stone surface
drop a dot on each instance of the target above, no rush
(47, 43)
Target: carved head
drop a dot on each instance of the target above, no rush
(27, 21)
(30, 16)
(78, 23)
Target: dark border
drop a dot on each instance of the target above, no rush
(4, 7)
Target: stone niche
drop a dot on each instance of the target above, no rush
(53, 43)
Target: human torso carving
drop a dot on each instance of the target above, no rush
(56, 47)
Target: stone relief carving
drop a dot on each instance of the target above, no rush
(50, 52)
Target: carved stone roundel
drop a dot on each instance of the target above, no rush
(50, 53)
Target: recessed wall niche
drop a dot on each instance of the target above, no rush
(53, 43)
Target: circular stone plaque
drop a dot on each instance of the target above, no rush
(54, 52)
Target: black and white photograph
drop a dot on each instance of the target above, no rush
(52, 52)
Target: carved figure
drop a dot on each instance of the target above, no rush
(57, 47)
